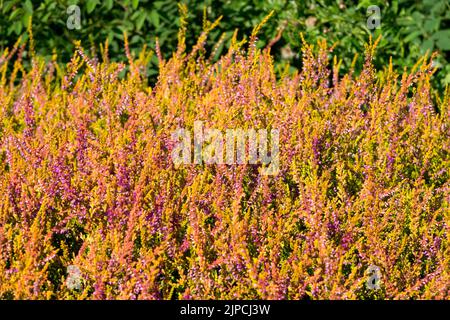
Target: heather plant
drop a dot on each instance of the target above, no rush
(92, 205)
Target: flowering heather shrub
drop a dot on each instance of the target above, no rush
(88, 184)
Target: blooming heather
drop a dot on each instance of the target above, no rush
(87, 179)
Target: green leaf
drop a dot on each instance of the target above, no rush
(45, 17)
(432, 25)
(28, 6)
(17, 27)
(26, 18)
(109, 4)
(52, 6)
(395, 6)
(443, 39)
(140, 20)
(154, 18)
(135, 4)
(135, 15)
(418, 18)
(7, 6)
(159, 4)
(447, 78)
(15, 14)
(438, 8)
(412, 36)
(427, 45)
(90, 6)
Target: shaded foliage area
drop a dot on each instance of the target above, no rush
(409, 28)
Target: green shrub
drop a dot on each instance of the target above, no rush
(409, 28)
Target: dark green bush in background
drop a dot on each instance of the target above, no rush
(409, 28)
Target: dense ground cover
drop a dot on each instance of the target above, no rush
(87, 180)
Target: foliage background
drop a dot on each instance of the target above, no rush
(409, 28)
